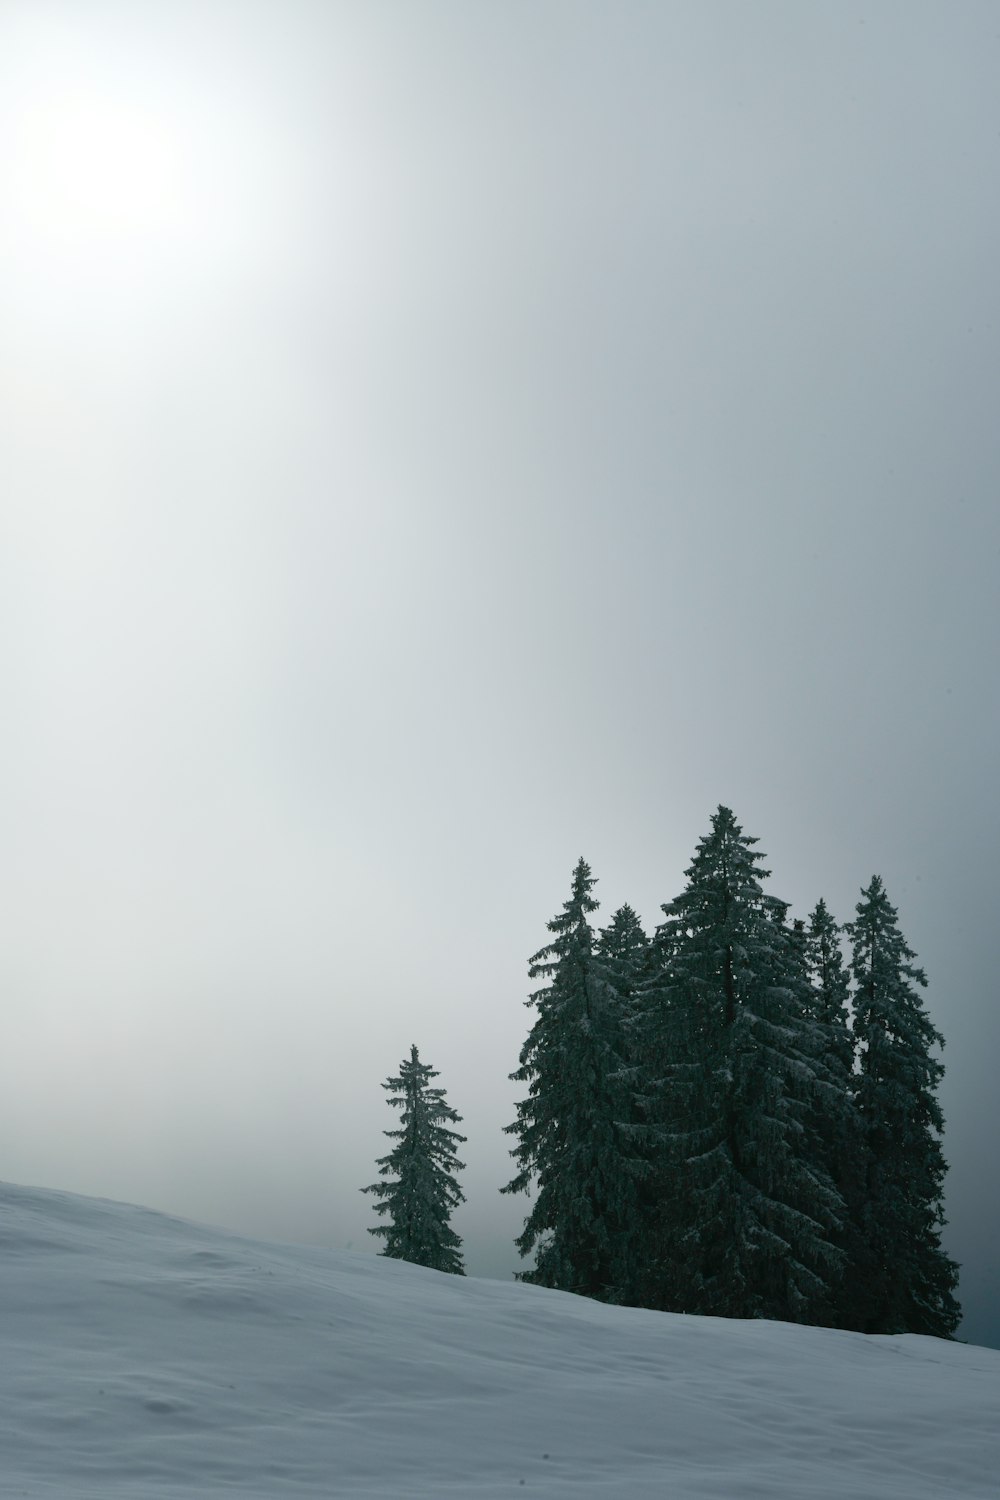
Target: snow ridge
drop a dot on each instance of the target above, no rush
(147, 1357)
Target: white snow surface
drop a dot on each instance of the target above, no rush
(145, 1357)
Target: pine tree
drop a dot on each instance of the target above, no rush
(623, 949)
(571, 1127)
(666, 1077)
(420, 1200)
(830, 986)
(905, 1281)
(746, 1226)
(623, 953)
(833, 1116)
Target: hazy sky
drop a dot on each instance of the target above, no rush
(440, 440)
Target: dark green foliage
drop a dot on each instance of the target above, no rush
(833, 1123)
(665, 1079)
(623, 957)
(748, 1215)
(572, 1129)
(623, 949)
(904, 1281)
(706, 1130)
(623, 952)
(420, 1200)
(830, 987)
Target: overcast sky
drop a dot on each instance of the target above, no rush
(440, 440)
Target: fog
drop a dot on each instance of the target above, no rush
(439, 440)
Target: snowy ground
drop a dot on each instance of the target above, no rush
(141, 1357)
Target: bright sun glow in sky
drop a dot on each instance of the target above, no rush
(118, 161)
(93, 168)
(99, 158)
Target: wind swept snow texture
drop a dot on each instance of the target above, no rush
(146, 1357)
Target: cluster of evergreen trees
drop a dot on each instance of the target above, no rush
(724, 1118)
(708, 1129)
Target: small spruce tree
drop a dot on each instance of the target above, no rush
(830, 987)
(420, 1199)
(905, 1282)
(623, 949)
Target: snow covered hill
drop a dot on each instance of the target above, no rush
(142, 1357)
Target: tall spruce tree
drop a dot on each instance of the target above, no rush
(623, 952)
(748, 1216)
(905, 1283)
(666, 1077)
(572, 1132)
(420, 1198)
(833, 1116)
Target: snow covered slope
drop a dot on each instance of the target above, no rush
(145, 1357)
